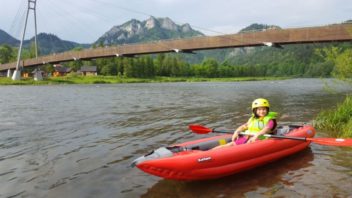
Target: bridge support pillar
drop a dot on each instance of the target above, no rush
(9, 73)
(16, 75)
(31, 6)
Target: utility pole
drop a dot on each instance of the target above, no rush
(31, 6)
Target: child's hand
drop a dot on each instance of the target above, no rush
(234, 136)
(252, 139)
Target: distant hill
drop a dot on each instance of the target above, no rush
(5, 38)
(50, 43)
(135, 31)
(255, 27)
(292, 59)
(232, 54)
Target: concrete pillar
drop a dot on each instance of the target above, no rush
(16, 75)
(9, 73)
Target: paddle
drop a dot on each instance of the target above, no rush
(199, 129)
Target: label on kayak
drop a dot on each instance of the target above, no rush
(339, 140)
(204, 159)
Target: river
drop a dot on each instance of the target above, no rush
(79, 140)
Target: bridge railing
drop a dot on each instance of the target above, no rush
(338, 32)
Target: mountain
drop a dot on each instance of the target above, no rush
(239, 56)
(5, 38)
(255, 27)
(151, 29)
(290, 60)
(50, 43)
(232, 54)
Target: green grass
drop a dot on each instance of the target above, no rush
(337, 121)
(115, 79)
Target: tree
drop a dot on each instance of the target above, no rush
(6, 54)
(343, 64)
(342, 58)
(175, 68)
(165, 69)
(328, 54)
(32, 51)
(320, 69)
(128, 67)
(158, 62)
(211, 67)
(119, 66)
(149, 70)
(76, 65)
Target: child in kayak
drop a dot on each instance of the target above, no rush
(262, 121)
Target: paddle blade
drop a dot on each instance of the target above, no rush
(199, 129)
(331, 141)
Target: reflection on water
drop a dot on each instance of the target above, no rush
(340, 156)
(78, 140)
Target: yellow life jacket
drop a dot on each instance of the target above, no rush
(255, 125)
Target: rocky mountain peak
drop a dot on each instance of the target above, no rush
(168, 24)
(151, 29)
(151, 22)
(132, 27)
(186, 27)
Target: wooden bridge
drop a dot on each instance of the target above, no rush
(270, 37)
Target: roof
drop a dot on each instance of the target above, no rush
(89, 69)
(62, 69)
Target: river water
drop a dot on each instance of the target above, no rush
(79, 140)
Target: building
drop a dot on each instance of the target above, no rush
(60, 70)
(88, 71)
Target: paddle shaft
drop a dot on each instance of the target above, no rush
(323, 141)
(266, 135)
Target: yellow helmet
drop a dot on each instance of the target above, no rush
(260, 102)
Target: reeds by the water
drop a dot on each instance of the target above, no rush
(337, 121)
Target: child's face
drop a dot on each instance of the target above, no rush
(262, 111)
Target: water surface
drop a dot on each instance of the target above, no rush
(79, 140)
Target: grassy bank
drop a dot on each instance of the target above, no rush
(115, 79)
(337, 121)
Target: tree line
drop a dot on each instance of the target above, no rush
(297, 60)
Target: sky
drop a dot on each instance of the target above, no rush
(84, 21)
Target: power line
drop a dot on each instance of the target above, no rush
(66, 17)
(18, 21)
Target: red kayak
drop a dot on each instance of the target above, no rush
(195, 161)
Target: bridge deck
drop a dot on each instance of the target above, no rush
(341, 32)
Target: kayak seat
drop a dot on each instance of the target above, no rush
(204, 146)
(283, 130)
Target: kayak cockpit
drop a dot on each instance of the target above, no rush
(164, 152)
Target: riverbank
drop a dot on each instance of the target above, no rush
(115, 80)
